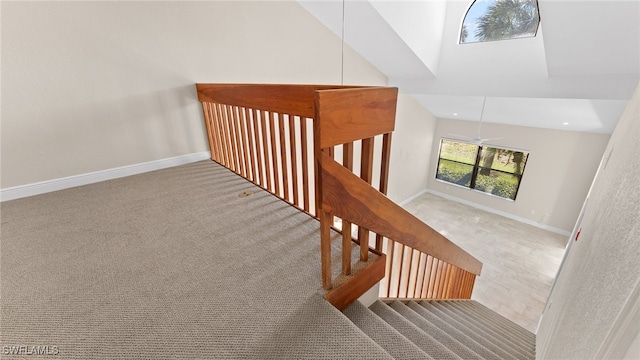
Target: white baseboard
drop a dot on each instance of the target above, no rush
(497, 212)
(42, 187)
(411, 198)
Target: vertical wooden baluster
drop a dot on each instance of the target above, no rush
(232, 143)
(398, 267)
(252, 149)
(435, 278)
(265, 148)
(463, 287)
(208, 119)
(464, 281)
(436, 285)
(283, 159)
(458, 287)
(452, 281)
(331, 152)
(427, 288)
(214, 146)
(325, 249)
(443, 278)
(410, 271)
(231, 122)
(294, 160)
(427, 277)
(305, 163)
(245, 145)
(257, 137)
(232, 137)
(422, 259)
(406, 271)
(445, 282)
(366, 172)
(225, 136)
(472, 283)
(467, 282)
(469, 287)
(274, 155)
(347, 162)
(389, 267)
(384, 175)
(238, 142)
(415, 273)
(217, 132)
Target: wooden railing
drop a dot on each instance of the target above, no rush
(285, 138)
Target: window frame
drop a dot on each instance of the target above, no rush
(477, 166)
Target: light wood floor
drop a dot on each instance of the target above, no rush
(520, 260)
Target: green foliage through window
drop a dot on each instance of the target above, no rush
(484, 168)
(489, 20)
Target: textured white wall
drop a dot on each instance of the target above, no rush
(602, 268)
(89, 86)
(556, 179)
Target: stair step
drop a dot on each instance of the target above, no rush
(439, 334)
(499, 319)
(393, 342)
(477, 320)
(498, 345)
(423, 340)
(461, 335)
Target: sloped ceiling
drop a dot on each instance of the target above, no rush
(577, 74)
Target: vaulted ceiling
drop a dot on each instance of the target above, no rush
(576, 74)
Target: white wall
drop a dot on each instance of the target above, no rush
(419, 23)
(556, 178)
(599, 278)
(88, 86)
(411, 148)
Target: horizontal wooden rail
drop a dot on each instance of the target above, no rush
(285, 99)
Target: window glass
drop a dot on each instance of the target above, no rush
(484, 168)
(459, 151)
(490, 20)
(454, 172)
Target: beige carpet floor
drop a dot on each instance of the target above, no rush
(168, 264)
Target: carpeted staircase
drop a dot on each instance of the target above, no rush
(445, 329)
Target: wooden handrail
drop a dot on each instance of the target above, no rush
(264, 133)
(352, 199)
(284, 99)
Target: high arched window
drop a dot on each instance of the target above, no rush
(489, 20)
